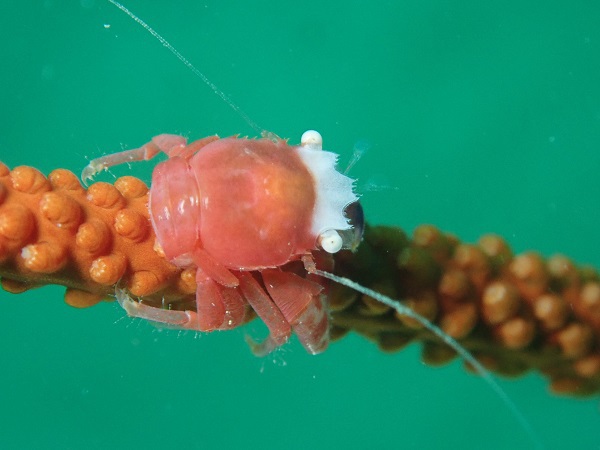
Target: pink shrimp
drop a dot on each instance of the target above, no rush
(238, 210)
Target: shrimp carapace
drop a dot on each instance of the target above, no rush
(238, 210)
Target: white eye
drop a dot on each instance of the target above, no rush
(312, 139)
(330, 241)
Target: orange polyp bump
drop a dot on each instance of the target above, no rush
(13, 286)
(16, 223)
(516, 333)
(105, 196)
(431, 238)
(187, 281)
(107, 270)
(131, 225)
(374, 307)
(530, 275)
(29, 180)
(425, 305)
(426, 235)
(2, 193)
(588, 366)
(82, 299)
(143, 283)
(560, 266)
(500, 302)
(454, 285)
(459, 322)
(62, 211)
(566, 385)
(4, 170)
(44, 257)
(565, 278)
(93, 236)
(474, 262)
(551, 311)
(437, 355)
(495, 247)
(575, 340)
(131, 187)
(64, 179)
(590, 298)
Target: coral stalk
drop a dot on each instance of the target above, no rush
(514, 313)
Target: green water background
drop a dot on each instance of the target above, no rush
(484, 117)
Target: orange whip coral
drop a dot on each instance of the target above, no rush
(514, 313)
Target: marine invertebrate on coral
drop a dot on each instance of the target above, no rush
(514, 313)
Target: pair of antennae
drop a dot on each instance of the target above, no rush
(396, 305)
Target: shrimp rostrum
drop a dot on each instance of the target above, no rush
(238, 210)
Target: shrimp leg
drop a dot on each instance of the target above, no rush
(279, 328)
(218, 308)
(171, 144)
(299, 300)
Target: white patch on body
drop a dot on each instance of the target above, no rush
(334, 191)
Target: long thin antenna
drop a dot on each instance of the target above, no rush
(451, 342)
(193, 68)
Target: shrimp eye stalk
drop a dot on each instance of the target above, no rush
(330, 241)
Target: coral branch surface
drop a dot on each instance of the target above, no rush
(514, 313)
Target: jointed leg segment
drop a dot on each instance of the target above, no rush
(171, 144)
